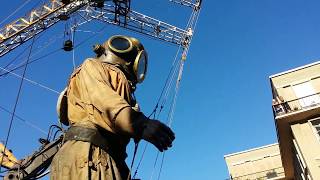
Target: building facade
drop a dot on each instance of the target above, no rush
(258, 163)
(296, 110)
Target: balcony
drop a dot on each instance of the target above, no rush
(294, 106)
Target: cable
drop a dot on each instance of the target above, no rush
(144, 150)
(56, 133)
(14, 59)
(42, 175)
(169, 81)
(99, 32)
(30, 62)
(154, 166)
(163, 96)
(31, 81)
(25, 121)
(161, 165)
(172, 110)
(139, 163)
(51, 128)
(169, 118)
(36, 83)
(41, 48)
(16, 103)
(73, 35)
(53, 52)
(23, 51)
(23, 78)
(85, 31)
(194, 18)
(26, 2)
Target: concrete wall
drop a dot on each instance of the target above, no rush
(304, 80)
(309, 146)
(259, 163)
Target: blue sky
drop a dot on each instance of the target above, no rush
(224, 105)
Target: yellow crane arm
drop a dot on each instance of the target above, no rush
(9, 160)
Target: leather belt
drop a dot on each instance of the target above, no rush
(93, 136)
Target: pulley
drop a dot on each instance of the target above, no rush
(68, 45)
(98, 3)
(63, 17)
(65, 1)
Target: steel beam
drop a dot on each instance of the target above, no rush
(116, 12)
(135, 21)
(38, 20)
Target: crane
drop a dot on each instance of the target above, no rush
(114, 12)
(9, 159)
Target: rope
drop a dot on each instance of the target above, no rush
(73, 51)
(73, 34)
(16, 103)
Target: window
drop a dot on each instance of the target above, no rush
(299, 164)
(306, 94)
(316, 125)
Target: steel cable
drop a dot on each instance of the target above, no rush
(163, 98)
(15, 11)
(15, 105)
(53, 52)
(25, 121)
(37, 59)
(195, 18)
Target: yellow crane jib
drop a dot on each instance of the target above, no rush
(9, 160)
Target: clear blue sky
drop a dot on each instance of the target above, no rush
(224, 105)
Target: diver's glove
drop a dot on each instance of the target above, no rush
(137, 125)
(158, 134)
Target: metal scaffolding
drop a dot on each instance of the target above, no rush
(117, 13)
